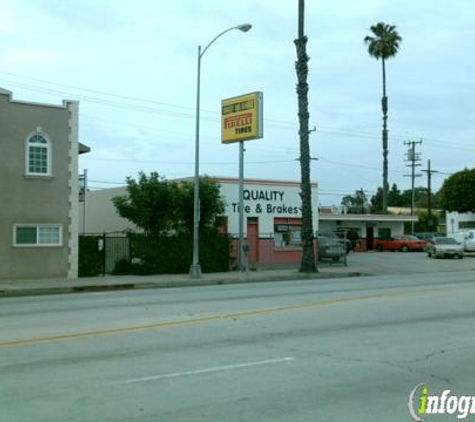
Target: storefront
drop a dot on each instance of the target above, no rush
(366, 227)
(272, 219)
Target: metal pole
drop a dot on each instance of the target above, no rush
(84, 203)
(241, 254)
(195, 268)
(429, 193)
(413, 196)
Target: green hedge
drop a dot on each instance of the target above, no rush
(173, 255)
(91, 259)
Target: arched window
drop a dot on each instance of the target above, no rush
(38, 155)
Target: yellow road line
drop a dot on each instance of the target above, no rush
(218, 317)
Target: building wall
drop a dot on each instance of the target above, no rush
(73, 171)
(37, 199)
(266, 201)
(277, 200)
(363, 224)
(101, 215)
(396, 227)
(459, 221)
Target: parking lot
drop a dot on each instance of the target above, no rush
(381, 263)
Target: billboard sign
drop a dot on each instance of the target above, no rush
(241, 118)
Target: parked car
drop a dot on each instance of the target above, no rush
(337, 236)
(445, 247)
(467, 239)
(403, 243)
(351, 239)
(428, 236)
(330, 247)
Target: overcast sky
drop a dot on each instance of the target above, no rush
(132, 65)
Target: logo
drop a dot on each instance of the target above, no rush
(421, 403)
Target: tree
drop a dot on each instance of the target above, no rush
(426, 222)
(301, 67)
(355, 204)
(161, 207)
(377, 201)
(396, 198)
(212, 205)
(457, 192)
(421, 194)
(383, 44)
(152, 203)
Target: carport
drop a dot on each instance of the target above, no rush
(366, 226)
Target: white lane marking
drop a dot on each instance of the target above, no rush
(205, 370)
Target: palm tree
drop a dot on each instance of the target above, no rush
(301, 66)
(383, 44)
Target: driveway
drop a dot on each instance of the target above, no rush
(386, 263)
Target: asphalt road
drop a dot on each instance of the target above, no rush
(326, 350)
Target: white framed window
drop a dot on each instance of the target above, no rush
(37, 235)
(38, 155)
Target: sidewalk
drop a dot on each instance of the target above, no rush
(11, 288)
(359, 264)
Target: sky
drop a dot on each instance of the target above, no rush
(133, 67)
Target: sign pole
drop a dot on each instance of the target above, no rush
(241, 254)
(241, 120)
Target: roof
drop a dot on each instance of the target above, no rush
(235, 180)
(83, 149)
(4, 91)
(367, 217)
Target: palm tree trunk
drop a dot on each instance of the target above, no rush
(384, 105)
(301, 67)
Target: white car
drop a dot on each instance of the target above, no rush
(468, 240)
(444, 247)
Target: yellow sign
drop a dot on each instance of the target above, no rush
(241, 118)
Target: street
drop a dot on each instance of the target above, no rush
(313, 350)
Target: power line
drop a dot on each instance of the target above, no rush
(188, 112)
(128, 160)
(95, 91)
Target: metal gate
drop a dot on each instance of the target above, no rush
(116, 249)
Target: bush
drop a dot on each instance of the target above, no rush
(91, 259)
(173, 254)
(124, 267)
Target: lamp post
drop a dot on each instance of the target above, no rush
(195, 269)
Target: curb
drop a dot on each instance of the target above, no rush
(40, 291)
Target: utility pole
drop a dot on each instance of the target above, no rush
(414, 159)
(429, 191)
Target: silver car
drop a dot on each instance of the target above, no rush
(444, 247)
(331, 248)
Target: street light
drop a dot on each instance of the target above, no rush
(195, 269)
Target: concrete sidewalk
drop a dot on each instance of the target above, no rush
(11, 288)
(359, 264)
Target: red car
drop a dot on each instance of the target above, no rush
(402, 242)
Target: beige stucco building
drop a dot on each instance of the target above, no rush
(38, 189)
